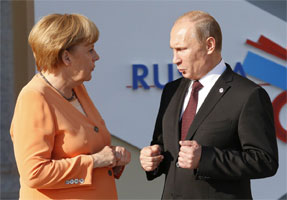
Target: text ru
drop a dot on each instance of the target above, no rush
(140, 72)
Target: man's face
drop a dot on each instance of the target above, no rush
(188, 53)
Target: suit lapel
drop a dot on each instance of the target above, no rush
(172, 114)
(216, 93)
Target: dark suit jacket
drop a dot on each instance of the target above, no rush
(236, 131)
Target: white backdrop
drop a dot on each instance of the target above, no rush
(137, 32)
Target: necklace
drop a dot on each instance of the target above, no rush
(68, 99)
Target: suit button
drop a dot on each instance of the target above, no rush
(177, 165)
(96, 129)
(110, 172)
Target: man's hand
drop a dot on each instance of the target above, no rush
(150, 157)
(189, 154)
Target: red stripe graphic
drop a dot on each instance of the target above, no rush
(140, 86)
(269, 46)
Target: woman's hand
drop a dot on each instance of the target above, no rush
(105, 158)
(123, 156)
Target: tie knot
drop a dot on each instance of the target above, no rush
(196, 86)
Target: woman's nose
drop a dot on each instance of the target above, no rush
(96, 56)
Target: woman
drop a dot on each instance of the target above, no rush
(62, 146)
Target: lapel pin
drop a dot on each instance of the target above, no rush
(221, 90)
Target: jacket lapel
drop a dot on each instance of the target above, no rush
(172, 114)
(216, 93)
(86, 104)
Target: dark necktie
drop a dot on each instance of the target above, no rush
(190, 110)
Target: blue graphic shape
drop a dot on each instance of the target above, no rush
(265, 70)
(239, 69)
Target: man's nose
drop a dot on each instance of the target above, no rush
(176, 59)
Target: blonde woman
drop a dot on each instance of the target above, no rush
(62, 146)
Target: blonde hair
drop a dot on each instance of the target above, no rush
(55, 33)
(205, 25)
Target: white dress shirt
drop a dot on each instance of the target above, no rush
(207, 81)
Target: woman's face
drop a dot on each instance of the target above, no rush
(82, 62)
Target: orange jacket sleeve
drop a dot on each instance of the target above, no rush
(33, 137)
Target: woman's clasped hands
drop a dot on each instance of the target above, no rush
(111, 156)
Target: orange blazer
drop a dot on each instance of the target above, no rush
(53, 142)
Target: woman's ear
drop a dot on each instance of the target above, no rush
(66, 58)
(210, 45)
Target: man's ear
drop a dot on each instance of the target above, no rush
(210, 45)
(66, 58)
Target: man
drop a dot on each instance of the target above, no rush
(229, 141)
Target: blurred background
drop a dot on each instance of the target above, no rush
(136, 62)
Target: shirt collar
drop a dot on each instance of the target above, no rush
(213, 74)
